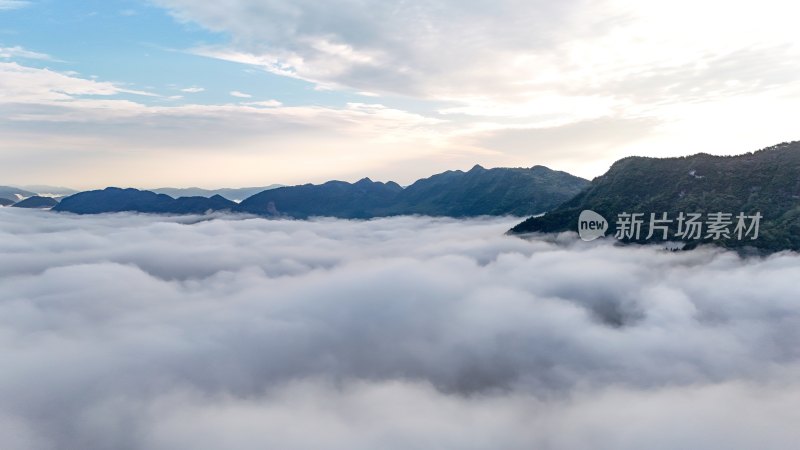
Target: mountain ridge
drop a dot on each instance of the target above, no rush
(454, 193)
(112, 199)
(479, 191)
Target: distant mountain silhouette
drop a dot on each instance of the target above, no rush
(118, 200)
(36, 202)
(233, 194)
(501, 191)
(453, 193)
(14, 194)
(357, 200)
(6, 202)
(767, 181)
(477, 192)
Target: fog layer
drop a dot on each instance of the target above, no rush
(146, 332)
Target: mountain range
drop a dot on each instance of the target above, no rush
(13, 195)
(359, 200)
(479, 191)
(765, 183)
(114, 199)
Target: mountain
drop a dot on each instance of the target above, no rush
(233, 194)
(500, 191)
(480, 191)
(765, 182)
(6, 202)
(117, 200)
(14, 194)
(36, 202)
(357, 200)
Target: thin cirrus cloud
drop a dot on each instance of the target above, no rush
(242, 332)
(264, 104)
(13, 4)
(20, 52)
(240, 94)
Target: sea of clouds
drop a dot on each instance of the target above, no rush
(145, 332)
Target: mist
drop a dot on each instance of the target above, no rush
(150, 332)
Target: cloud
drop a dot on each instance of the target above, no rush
(495, 67)
(13, 4)
(19, 52)
(193, 90)
(23, 84)
(510, 52)
(264, 104)
(134, 331)
(240, 94)
(472, 82)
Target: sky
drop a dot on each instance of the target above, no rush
(237, 93)
(131, 331)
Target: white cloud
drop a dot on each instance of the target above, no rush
(505, 65)
(21, 84)
(193, 90)
(155, 332)
(19, 52)
(264, 104)
(503, 50)
(240, 94)
(13, 4)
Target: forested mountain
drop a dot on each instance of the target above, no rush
(765, 182)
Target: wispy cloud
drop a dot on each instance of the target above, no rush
(20, 52)
(264, 104)
(13, 4)
(193, 90)
(240, 94)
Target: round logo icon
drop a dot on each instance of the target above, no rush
(591, 225)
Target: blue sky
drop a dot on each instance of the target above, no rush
(142, 47)
(254, 92)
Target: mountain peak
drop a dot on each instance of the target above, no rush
(363, 181)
